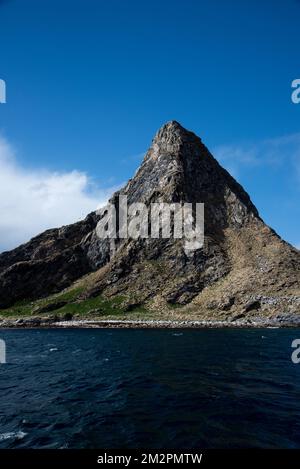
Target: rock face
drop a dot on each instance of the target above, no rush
(243, 267)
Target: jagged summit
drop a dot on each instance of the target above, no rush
(172, 129)
(171, 126)
(175, 129)
(179, 167)
(172, 135)
(243, 262)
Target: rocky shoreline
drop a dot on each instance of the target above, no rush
(37, 322)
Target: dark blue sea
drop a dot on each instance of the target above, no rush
(104, 388)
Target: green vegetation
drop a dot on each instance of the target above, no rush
(28, 308)
(21, 308)
(99, 306)
(174, 305)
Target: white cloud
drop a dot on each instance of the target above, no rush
(34, 200)
(269, 152)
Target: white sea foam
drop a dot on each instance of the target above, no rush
(16, 435)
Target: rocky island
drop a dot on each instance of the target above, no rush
(245, 274)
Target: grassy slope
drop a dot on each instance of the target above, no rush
(90, 308)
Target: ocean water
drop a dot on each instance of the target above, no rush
(104, 388)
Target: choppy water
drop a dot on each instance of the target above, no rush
(149, 388)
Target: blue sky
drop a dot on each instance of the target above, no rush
(89, 83)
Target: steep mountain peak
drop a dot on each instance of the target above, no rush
(242, 259)
(178, 167)
(171, 136)
(171, 129)
(174, 129)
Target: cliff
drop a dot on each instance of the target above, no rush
(244, 268)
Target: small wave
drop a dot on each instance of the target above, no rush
(177, 334)
(16, 435)
(64, 446)
(53, 349)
